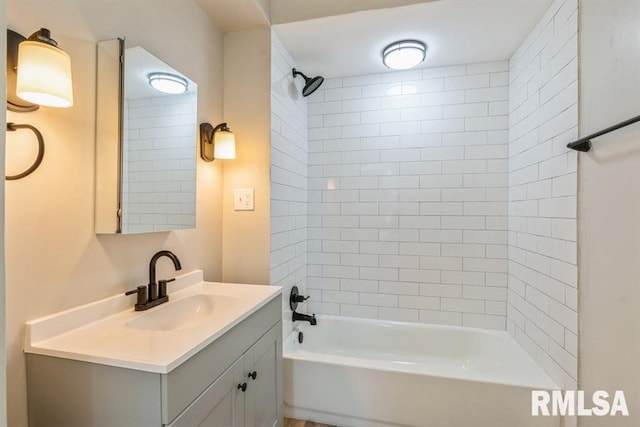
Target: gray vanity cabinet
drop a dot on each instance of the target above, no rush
(221, 405)
(202, 391)
(245, 395)
(261, 400)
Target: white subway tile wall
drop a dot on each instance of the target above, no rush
(543, 118)
(288, 178)
(408, 196)
(159, 163)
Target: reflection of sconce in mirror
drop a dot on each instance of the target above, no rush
(38, 73)
(219, 139)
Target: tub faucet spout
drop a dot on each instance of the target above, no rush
(305, 317)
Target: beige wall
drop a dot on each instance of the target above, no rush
(247, 110)
(609, 205)
(54, 259)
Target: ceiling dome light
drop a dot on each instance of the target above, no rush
(404, 54)
(168, 83)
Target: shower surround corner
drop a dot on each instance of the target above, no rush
(542, 313)
(289, 162)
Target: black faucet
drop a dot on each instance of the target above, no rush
(294, 299)
(152, 273)
(154, 293)
(307, 318)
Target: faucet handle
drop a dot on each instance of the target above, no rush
(300, 298)
(295, 298)
(162, 287)
(142, 294)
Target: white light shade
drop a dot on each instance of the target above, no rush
(224, 145)
(44, 75)
(404, 54)
(168, 83)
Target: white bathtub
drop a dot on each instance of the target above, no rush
(371, 373)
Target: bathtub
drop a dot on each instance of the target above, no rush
(372, 373)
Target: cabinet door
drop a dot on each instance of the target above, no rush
(264, 393)
(220, 405)
(240, 379)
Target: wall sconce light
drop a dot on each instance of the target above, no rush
(42, 72)
(38, 73)
(220, 140)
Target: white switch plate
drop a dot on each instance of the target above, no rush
(243, 199)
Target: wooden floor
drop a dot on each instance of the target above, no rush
(290, 422)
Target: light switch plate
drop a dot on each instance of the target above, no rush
(243, 199)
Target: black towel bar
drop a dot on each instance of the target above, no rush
(584, 144)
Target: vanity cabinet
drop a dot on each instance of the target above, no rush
(216, 387)
(246, 395)
(261, 400)
(220, 405)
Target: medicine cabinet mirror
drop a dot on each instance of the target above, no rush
(145, 143)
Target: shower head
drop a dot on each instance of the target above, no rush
(310, 84)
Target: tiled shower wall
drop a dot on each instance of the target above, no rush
(159, 165)
(408, 196)
(288, 178)
(543, 300)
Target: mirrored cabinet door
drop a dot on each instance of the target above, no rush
(146, 143)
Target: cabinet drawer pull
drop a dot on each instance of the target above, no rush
(242, 387)
(253, 375)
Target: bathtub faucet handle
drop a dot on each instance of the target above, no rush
(295, 298)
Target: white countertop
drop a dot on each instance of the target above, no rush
(98, 332)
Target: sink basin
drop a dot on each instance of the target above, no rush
(186, 313)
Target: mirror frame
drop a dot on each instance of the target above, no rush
(109, 136)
